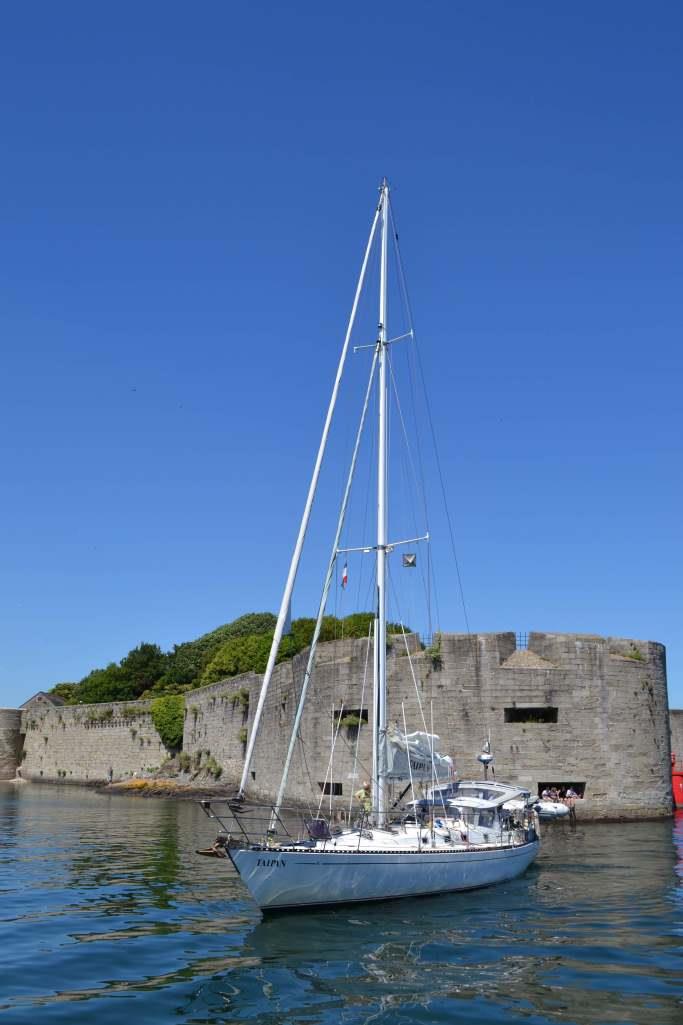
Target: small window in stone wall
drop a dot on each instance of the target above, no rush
(335, 789)
(562, 788)
(350, 717)
(531, 715)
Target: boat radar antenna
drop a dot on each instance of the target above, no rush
(485, 757)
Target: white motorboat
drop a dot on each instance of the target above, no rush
(389, 853)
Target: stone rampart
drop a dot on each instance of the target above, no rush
(572, 708)
(216, 722)
(87, 743)
(10, 742)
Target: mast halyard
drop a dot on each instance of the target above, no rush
(379, 794)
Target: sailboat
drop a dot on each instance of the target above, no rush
(385, 854)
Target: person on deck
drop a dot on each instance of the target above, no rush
(365, 797)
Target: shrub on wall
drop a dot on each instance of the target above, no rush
(167, 716)
(239, 655)
(246, 654)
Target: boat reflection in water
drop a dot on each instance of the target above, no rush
(586, 936)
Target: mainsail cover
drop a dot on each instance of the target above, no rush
(416, 756)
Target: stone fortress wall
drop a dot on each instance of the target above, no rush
(607, 716)
(85, 743)
(10, 742)
(599, 704)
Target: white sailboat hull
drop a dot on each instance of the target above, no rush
(279, 880)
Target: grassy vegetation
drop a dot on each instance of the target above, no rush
(167, 716)
(433, 652)
(351, 721)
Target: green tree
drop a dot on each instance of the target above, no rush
(187, 662)
(239, 655)
(143, 666)
(68, 692)
(108, 684)
(238, 647)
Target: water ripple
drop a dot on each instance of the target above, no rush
(106, 912)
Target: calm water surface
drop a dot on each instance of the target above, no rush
(108, 916)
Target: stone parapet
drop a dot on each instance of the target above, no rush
(89, 743)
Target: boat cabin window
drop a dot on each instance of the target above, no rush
(467, 815)
(531, 715)
(443, 792)
(484, 817)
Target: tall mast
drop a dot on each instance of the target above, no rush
(285, 604)
(380, 675)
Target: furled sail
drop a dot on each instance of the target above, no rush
(416, 756)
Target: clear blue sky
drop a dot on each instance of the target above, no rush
(185, 194)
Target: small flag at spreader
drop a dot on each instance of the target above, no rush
(345, 575)
(410, 560)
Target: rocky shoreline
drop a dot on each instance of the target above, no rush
(169, 788)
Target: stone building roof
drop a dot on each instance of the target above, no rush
(40, 695)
